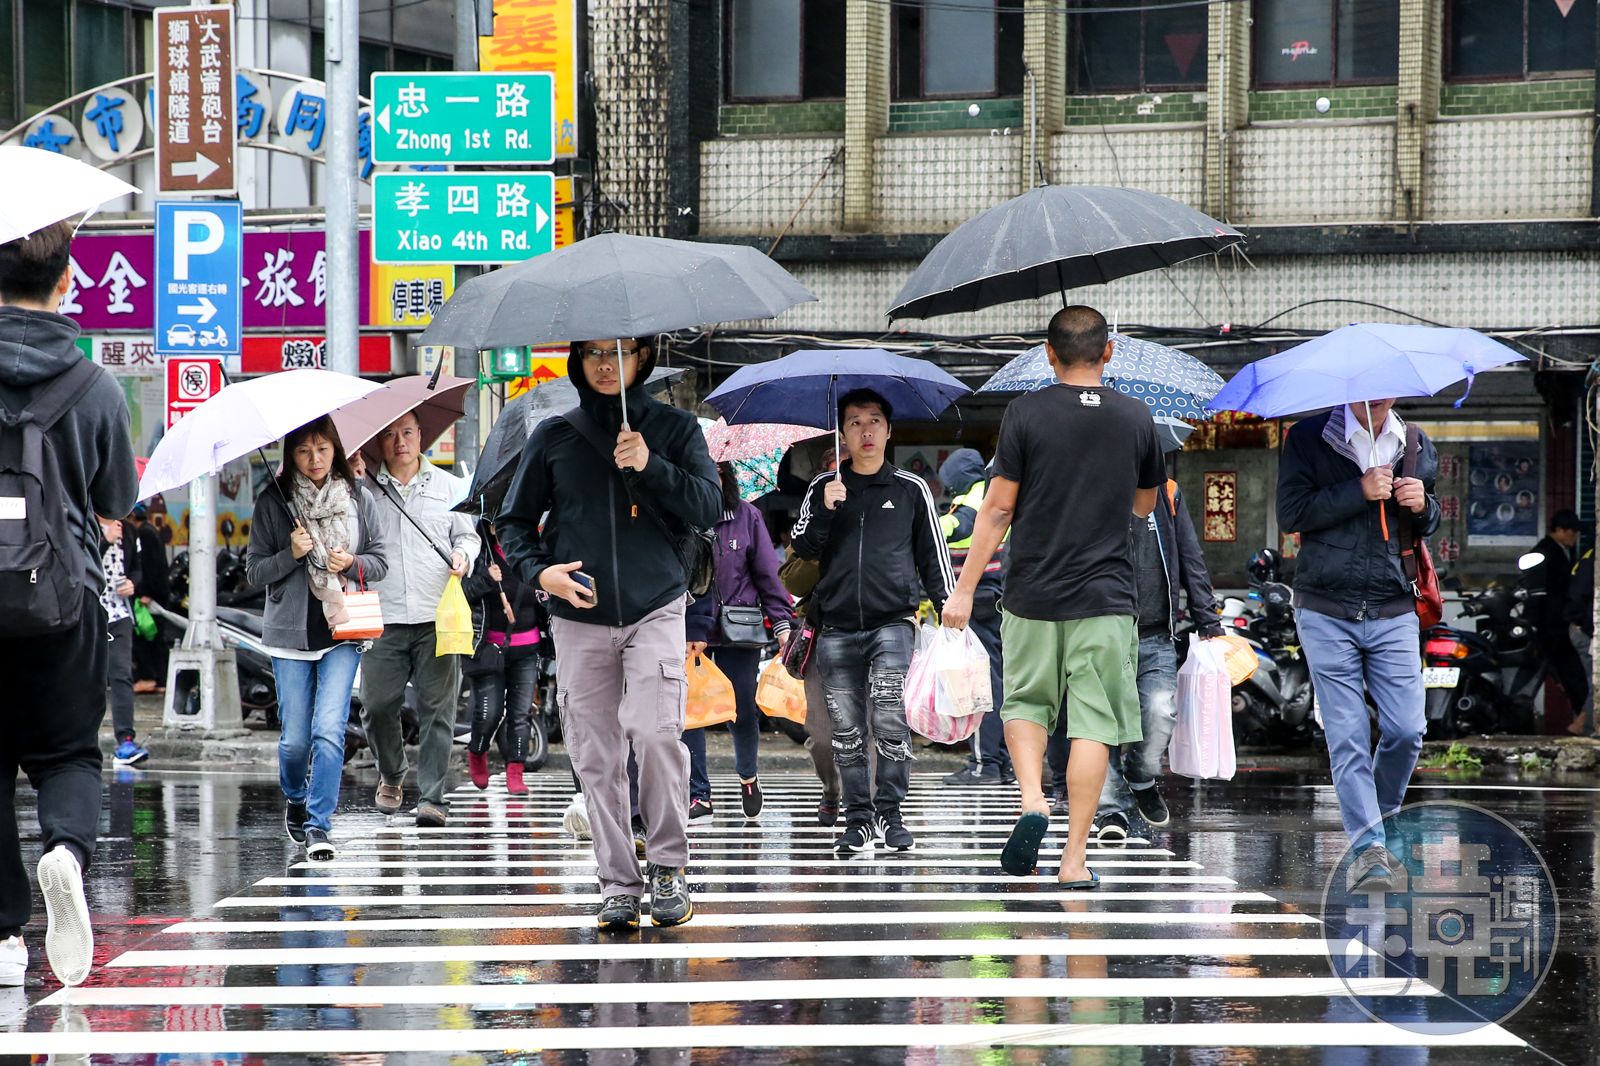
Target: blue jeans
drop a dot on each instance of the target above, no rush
(1348, 660)
(741, 665)
(313, 704)
(864, 679)
(1140, 764)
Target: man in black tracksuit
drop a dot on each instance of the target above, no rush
(876, 535)
(1554, 576)
(591, 518)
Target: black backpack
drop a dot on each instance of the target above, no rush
(41, 575)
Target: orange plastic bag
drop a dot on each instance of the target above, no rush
(711, 698)
(780, 694)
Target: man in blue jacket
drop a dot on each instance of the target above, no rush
(592, 518)
(1341, 485)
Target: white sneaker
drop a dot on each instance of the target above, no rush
(69, 938)
(13, 962)
(575, 820)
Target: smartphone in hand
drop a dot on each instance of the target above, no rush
(586, 581)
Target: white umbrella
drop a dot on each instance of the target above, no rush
(243, 417)
(39, 188)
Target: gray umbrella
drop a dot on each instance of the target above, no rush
(1054, 238)
(614, 285)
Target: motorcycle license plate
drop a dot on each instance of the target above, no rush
(1440, 676)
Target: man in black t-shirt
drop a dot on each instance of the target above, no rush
(1074, 460)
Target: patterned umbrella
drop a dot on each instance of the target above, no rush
(755, 450)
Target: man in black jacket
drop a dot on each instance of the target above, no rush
(875, 533)
(1341, 486)
(591, 518)
(56, 683)
(154, 587)
(1559, 548)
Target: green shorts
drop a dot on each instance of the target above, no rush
(1095, 659)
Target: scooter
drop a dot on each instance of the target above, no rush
(1485, 680)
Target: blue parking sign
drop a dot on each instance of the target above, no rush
(199, 260)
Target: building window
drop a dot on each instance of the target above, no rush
(785, 49)
(45, 63)
(957, 49)
(1125, 50)
(1326, 42)
(1513, 39)
(8, 65)
(99, 45)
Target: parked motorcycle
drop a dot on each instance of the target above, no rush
(1274, 706)
(1484, 680)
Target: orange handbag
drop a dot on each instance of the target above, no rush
(364, 612)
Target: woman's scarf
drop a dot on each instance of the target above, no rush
(325, 513)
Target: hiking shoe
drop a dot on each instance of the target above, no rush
(618, 913)
(129, 753)
(669, 895)
(478, 769)
(856, 839)
(13, 962)
(1152, 808)
(699, 810)
(1372, 870)
(388, 798)
(294, 821)
(69, 938)
(318, 847)
(431, 815)
(973, 776)
(750, 798)
(1111, 829)
(639, 836)
(895, 836)
(828, 811)
(514, 784)
(575, 819)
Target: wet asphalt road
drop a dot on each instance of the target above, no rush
(1202, 947)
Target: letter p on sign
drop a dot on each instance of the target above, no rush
(186, 243)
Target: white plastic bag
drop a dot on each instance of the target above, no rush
(1202, 741)
(947, 688)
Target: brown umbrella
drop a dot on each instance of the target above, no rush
(436, 403)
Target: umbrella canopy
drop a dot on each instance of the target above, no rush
(1366, 361)
(497, 462)
(1054, 238)
(614, 285)
(803, 388)
(1174, 383)
(437, 405)
(754, 450)
(38, 188)
(242, 417)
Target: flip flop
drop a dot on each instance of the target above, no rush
(1081, 886)
(1020, 856)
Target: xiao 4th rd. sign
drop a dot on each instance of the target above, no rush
(462, 218)
(481, 119)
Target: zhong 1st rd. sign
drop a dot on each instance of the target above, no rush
(480, 119)
(482, 218)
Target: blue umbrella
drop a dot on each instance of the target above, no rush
(803, 388)
(1359, 363)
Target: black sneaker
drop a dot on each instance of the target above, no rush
(1007, 777)
(972, 776)
(750, 798)
(895, 836)
(318, 847)
(699, 810)
(1111, 829)
(1152, 808)
(294, 821)
(669, 895)
(619, 912)
(856, 839)
(828, 811)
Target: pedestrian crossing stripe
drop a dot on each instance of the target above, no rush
(591, 899)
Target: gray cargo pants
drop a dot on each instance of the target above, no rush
(622, 687)
(406, 653)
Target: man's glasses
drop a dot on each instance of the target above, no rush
(596, 355)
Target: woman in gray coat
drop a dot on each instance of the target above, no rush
(315, 534)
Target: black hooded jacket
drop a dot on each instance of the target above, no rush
(93, 441)
(570, 503)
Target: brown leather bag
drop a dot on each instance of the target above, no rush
(1415, 560)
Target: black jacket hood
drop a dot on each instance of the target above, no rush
(35, 346)
(964, 469)
(590, 400)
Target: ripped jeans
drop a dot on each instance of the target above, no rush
(863, 676)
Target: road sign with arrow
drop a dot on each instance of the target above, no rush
(196, 132)
(484, 119)
(480, 217)
(199, 248)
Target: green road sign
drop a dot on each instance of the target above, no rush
(487, 119)
(485, 218)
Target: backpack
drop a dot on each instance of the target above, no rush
(41, 577)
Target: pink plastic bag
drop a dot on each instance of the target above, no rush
(940, 682)
(1202, 741)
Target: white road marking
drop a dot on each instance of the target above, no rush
(850, 893)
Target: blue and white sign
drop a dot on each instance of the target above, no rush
(199, 261)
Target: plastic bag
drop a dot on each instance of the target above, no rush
(144, 623)
(961, 674)
(452, 622)
(1202, 740)
(940, 680)
(780, 694)
(1240, 657)
(711, 699)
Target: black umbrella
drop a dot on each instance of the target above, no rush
(497, 463)
(1054, 238)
